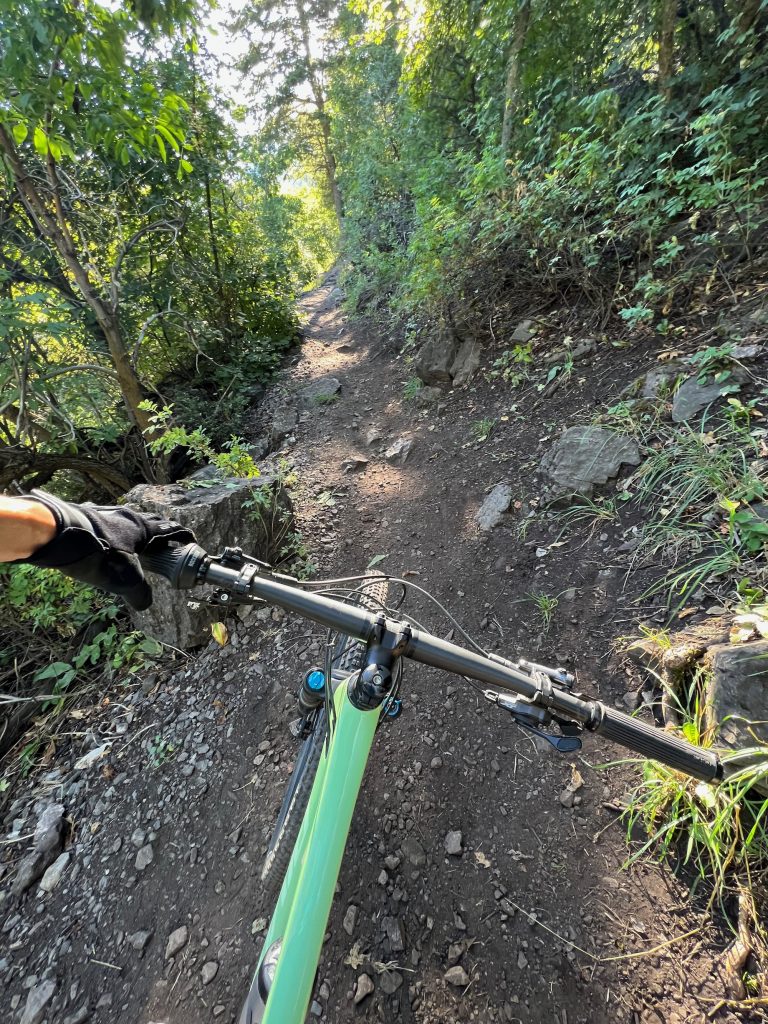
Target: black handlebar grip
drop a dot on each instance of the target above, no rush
(181, 566)
(658, 745)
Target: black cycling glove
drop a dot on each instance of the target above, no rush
(99, 545)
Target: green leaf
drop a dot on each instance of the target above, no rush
(375, 560)
(40, 141)
(20, 132)
(161, 147)
(58, 668)
(151, 646)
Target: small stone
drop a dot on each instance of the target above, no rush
(37, 1001)
(316, 1009)
(399, 451)
(394, 932)
(52, 876)
(392, 862)
(354, 465)
(49, 828)
(414, 852)
(144, 857)
(105, 1001)
(456, 976)
(209, 971)
(177, 940)
(363, 988)
(522, 960)
(567, 797)
(79, 1016)
(453, 843)
(383, 877)
(350, 919)
(218, 1009)
(390, 982)
(138, 838)
(139, 940)
(436, 762)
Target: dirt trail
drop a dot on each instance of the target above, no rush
(535, 907)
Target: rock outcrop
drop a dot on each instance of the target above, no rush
(255, 515)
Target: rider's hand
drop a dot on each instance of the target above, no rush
(99, 544)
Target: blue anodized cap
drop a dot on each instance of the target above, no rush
(316, 680)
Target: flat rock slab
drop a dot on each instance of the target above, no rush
(254, 514)
(738, 692)
(584, 458)
(320, 391)
(491, 512)
(692, 397)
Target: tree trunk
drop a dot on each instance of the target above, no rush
(522, 21)
(667, 20)
(106, 318)
(318, 94)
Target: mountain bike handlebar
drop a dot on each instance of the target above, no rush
(538, 689)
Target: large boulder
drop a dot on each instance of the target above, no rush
(466, 363)
(586, 457)
(434, 360)
(254, 514)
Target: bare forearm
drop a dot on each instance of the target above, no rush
(24, 527)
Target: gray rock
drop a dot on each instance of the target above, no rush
(336, 296)
(209, 971)
(30, 869)
(435, 358)
(390, 982)
(139, 838)
(738, 693)
(658, 379)
(585, 457)
(456, 976)
(428, 395)
(363, 988)
(52, 876)
(177, 940)
(50, 828)
(354, 465)
(466, 363)
(523, 333)
(218, 518)
(316, 1008)
(140, 940)
(79, 1016)
(414, 852)
(284, 422)
(320, 391)
(453, 843)
(496, 503)
(692, 397)
(400, 450)
(373, 436)
(350, 919)
(37, 1001)
(393, 930)
(144, 857)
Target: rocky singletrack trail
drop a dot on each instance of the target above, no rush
(483, 877)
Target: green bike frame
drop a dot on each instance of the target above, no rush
(304, 904)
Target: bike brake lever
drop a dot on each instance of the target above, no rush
(521, 715)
